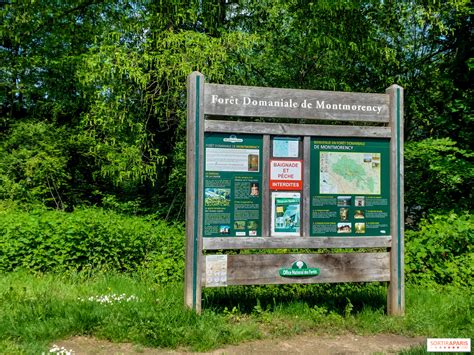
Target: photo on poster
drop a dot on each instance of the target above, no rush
(252, 161)
(286, 217)
(343, 214)
(254, 189)
(224, 229)
(344, 227)
(344, 200)
(216, 197)
(359, 201)
(359, 227)
(359, 214)
(239, 225)
(252, 224)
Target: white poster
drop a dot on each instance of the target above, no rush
(232, 159)
(286, 174)
(216, 270)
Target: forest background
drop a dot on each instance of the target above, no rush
(93, 116)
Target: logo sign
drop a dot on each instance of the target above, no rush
(299, 268)
(233, 139)
(448, 345)
(286, 174)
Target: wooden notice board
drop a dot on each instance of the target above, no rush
(271, 168)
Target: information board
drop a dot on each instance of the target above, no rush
(307, 184)
(350, 187)
(232, 185)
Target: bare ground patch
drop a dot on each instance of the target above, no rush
(301, 344)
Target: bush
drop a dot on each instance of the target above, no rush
(438, 176)
(89, 240)
(33, 164)
(441, 251)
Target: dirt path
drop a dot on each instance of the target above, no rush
(301, 344)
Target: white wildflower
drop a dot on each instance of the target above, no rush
(110, 298)
(60, 350)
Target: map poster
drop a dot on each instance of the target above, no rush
(286, 147)
(232, 185)
(350, 187)
(286, 218)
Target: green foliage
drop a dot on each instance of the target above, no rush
(33, 164)
(441, 251)
(41, 43)
(433, 71)
(138, 109)
(438, 176)
(103, 84)
(333, 45)
(90, 240)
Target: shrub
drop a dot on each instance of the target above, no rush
(33, 164)
(441, 251)
(438, 176)
(88, 240)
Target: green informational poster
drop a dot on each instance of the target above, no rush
(350, 187)
(232, 185)
(286, 213)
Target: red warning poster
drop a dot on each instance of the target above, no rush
(286, 174)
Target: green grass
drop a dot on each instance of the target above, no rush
(417, 350)
(35, 311)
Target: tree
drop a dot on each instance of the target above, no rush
(102, 83)
(41, 44)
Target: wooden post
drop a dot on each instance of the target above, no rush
(306, 215)
(396, 288)
(266, 205)
(194, 190)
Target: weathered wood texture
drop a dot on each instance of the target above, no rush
(293, 129)
(264, 268)
(230, 100)
(194, 188)
(396, 289)
(295, 242)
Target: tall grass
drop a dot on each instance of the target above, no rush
(38, 310)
